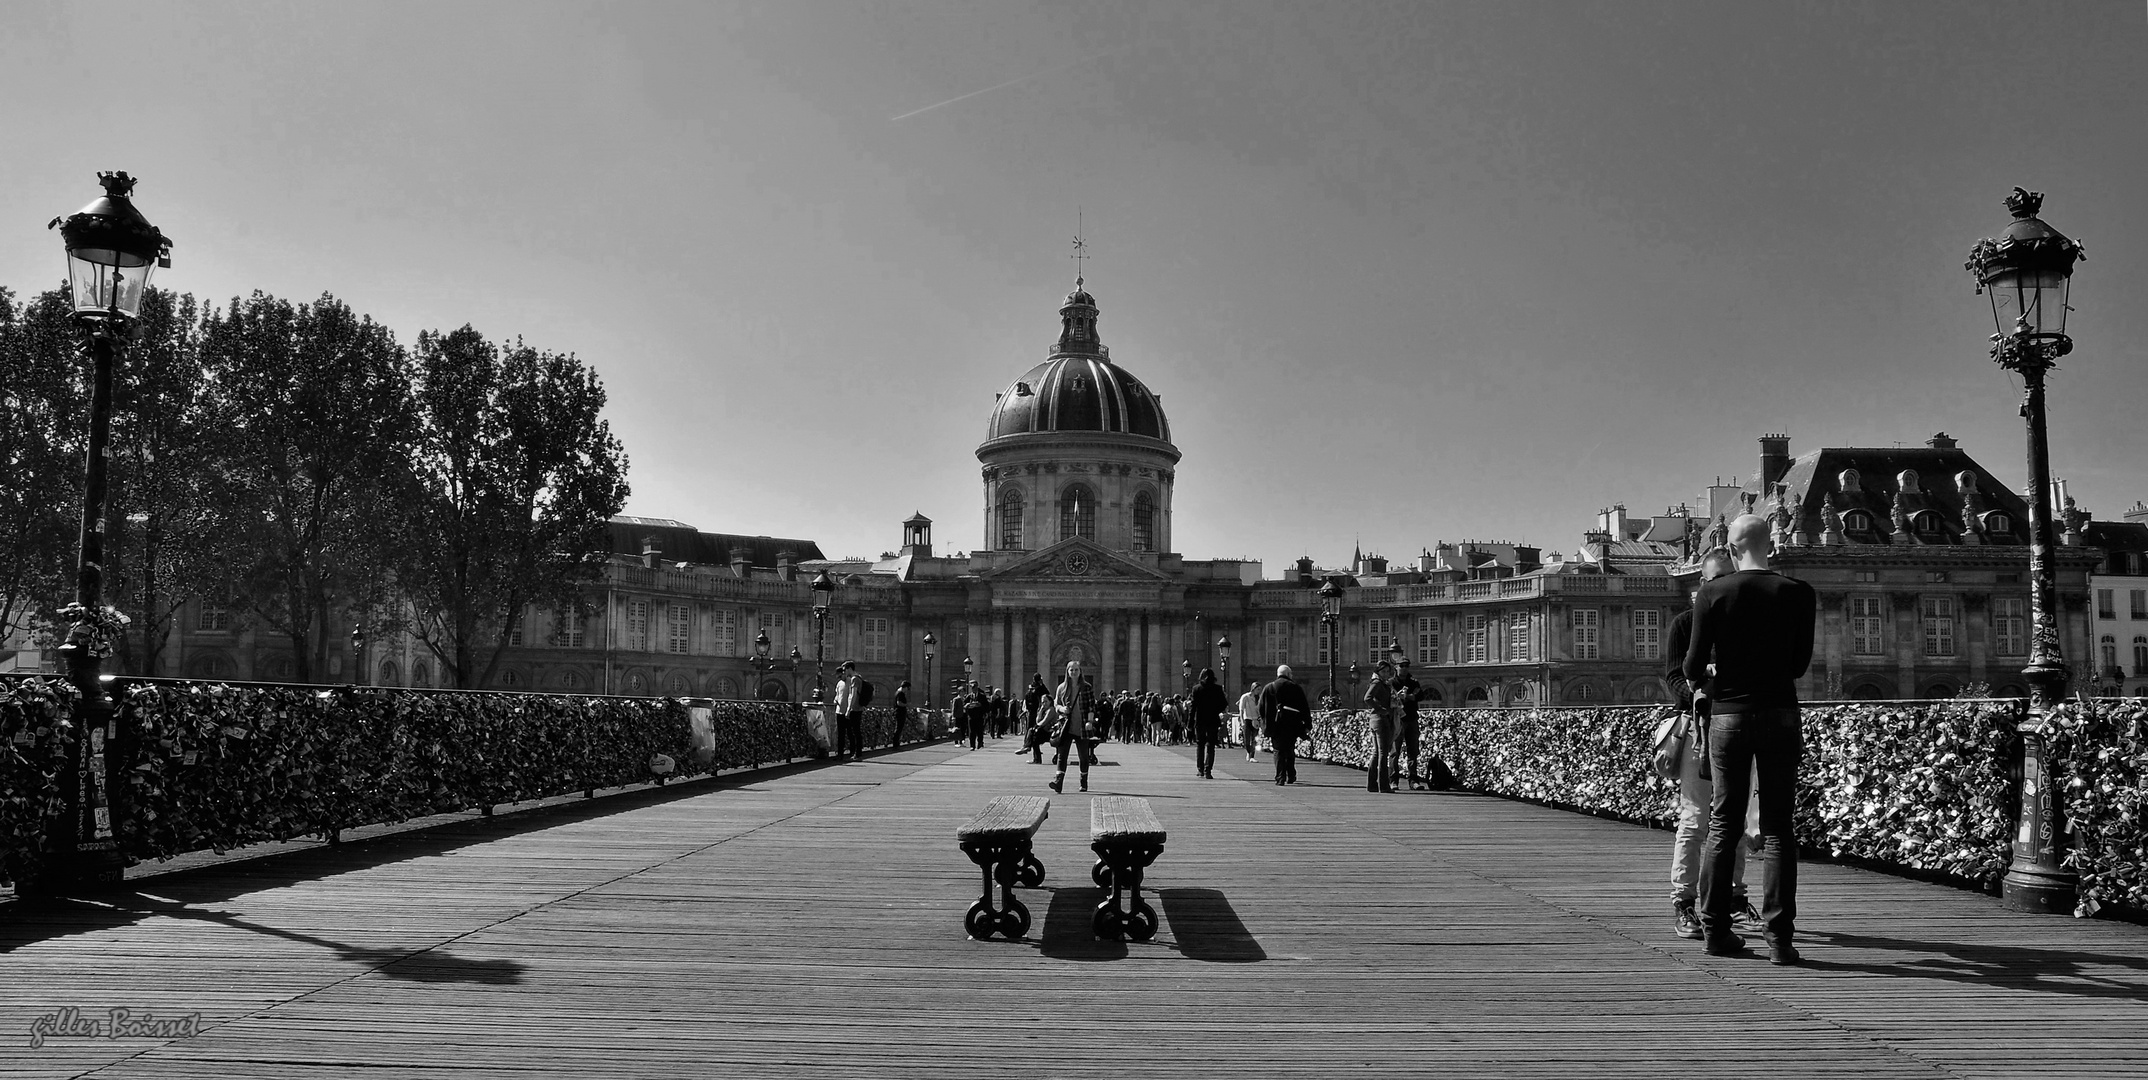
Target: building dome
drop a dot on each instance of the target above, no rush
(1078, 388)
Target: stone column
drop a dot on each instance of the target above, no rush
(1044, 649)
(1107, 664)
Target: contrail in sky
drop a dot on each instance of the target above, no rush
(1008, 83)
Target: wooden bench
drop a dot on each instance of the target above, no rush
(998, 839)
(1126, 837)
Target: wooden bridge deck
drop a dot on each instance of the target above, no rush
(807, 921)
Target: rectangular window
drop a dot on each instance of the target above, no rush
(568, 622)
(723, 632)
(514, 637)
(1518, 637)
(2105, 609)
(2138, 601)
(1476, 648)
(876, 639)
(1868, 576)
(2140, 655)
(2009, 625)
(1277, 634)
(1428, 639)
(212, 618)
(1865, 622)
(678, 627)
(637, 626)
(1938, 626)
(1587, 623)
(1379, 637)
(1647, 634)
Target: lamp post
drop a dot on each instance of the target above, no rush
(1185, 674)
(968, 667)
(930, 641)
(1330, 615)
(760, 662)
(1223, 651)
(1355, 675)
(2026, 272)
(358, 672)
(823, 592)
(1395, 653)
(111, 251)
(797, 661)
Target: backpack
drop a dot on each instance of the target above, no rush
(863, 695)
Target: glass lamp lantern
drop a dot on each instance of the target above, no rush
(760, 645)
(1223, 649)
(823, 589)
(111, 251)
(2026, 273)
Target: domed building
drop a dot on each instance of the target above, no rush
(1078, 447)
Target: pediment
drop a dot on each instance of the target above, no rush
(1077, 560)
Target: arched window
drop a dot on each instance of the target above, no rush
(1429, 695)
(1144, 522)
(1581, 692)
(1476, 696)
(1867, 692)
(1010, 518)
(510, 678)
(1077, 513)
(390, 675)
(1998, 522)
(209, 666)
(569, 679)
(280, 668)
(420, 675)
(2140, 655)
(1926, 522)
(726, 688)
(1857, 521)
(2110, 651)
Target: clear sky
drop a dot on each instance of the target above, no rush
(1401, 272)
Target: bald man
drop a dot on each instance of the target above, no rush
(1752, 640)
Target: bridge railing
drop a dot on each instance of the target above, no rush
(1927, 786)
(218, 765)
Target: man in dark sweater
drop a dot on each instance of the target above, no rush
(1752, 641)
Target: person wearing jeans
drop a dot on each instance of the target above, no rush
(1696, 792)
(1755, 626)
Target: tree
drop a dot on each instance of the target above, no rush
(42, 401)
(311, 405)
(162, 546)
(517, 475)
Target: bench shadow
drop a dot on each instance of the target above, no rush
(1207, 928)
(1065, 934)
(2051, 971)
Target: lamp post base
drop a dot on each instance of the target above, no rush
(2039, 892)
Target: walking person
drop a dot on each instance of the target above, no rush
(976, 713)
(1038, 699)
(902, 712)
(1074, 705)
(1152, 718)
(1207, 705)
(1695, 791)
(1249, 725)
(1284, 709)
(999, 712)
(1755, 626)
(1406, 697)
(1380, 701)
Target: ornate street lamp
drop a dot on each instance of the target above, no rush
(358, 674)
(1355, 675)
(2026, 272)
(1223, 650)
(1331, 595)
(1395, 653)
(111, 251)
(968, 666)
(930, 641)
(1185, 674)
(797, 661)
(823, 592)
(761, 662)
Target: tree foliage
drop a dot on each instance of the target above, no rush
(515, 474)
(311, 404)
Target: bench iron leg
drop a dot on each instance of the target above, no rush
(1008, 864)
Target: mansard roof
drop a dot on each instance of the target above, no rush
(1818, 476)
(680, 542)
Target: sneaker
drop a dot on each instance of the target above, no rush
(1744, 917)
(1727, 945)
(1689, 926)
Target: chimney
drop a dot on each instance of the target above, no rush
(787, 564)
(1373, 565)
(1305, 570)
(1941, 441)
(1774, 460)
(1427, 562)
(2138, 513)
(652, 552)
(741, 561)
